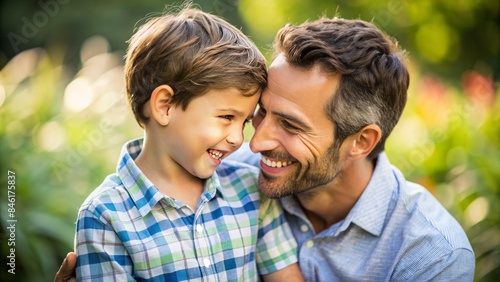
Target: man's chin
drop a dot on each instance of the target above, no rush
(271, 186)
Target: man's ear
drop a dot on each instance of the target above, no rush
(363, 142)
(160, 104)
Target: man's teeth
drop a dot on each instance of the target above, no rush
(275, 163)
(215, 154)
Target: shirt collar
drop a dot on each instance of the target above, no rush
(291, 205)
(370, 210)
(142, 191)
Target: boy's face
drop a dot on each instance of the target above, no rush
(208, 130)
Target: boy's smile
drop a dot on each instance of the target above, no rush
(207, 131)
(216, 155)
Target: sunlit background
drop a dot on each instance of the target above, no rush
(63, 116)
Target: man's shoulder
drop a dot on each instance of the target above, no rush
(427, 237)
(428, 219)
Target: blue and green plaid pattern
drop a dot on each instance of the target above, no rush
(128, 230)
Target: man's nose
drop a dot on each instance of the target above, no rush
(264, 138)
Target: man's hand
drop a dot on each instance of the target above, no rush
(67, 270)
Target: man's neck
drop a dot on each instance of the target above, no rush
(329, 204)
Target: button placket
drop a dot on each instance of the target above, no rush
(201, 243)
(310, 244)
(206, 262)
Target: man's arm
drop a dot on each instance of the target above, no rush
(66, 272)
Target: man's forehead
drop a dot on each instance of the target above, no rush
(287, 73)
(299, 84)
(280, 60)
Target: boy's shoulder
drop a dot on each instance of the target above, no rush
(110, 194)
(238, 177)
(229, 166)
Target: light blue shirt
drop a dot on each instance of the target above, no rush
(397, 231)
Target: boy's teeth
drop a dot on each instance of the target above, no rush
(216, 154)
(275, 163)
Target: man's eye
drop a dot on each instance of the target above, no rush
(288, 125)
(261, 112)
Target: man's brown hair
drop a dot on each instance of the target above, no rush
(374, 79)
(193, 52)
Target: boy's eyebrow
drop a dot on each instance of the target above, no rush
(234, 112)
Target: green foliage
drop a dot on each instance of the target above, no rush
(58, 153)
(446, 37)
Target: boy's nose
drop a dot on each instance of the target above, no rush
(235, 138)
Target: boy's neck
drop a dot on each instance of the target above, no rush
(168, 176)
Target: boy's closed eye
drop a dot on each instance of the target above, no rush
(227, 117)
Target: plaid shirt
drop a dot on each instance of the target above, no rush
(127, 229)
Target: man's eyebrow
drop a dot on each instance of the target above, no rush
(304, 126)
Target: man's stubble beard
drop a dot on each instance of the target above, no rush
(303, 179)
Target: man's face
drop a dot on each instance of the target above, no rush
(292, 131)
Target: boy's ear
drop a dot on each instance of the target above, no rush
(363, 142)
(160, 104)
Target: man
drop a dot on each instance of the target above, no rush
(336, 89)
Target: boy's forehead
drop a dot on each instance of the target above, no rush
(231, 100)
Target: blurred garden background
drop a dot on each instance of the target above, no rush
(63, 116)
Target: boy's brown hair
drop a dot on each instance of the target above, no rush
(192, 52)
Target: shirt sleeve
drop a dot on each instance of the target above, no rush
(456, 266)
(101, 256)
(276, 246)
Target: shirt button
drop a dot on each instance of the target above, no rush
(199, 228)
(304, 228)
(309, 243)
(206, 262)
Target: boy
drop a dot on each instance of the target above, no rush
(173, 211)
